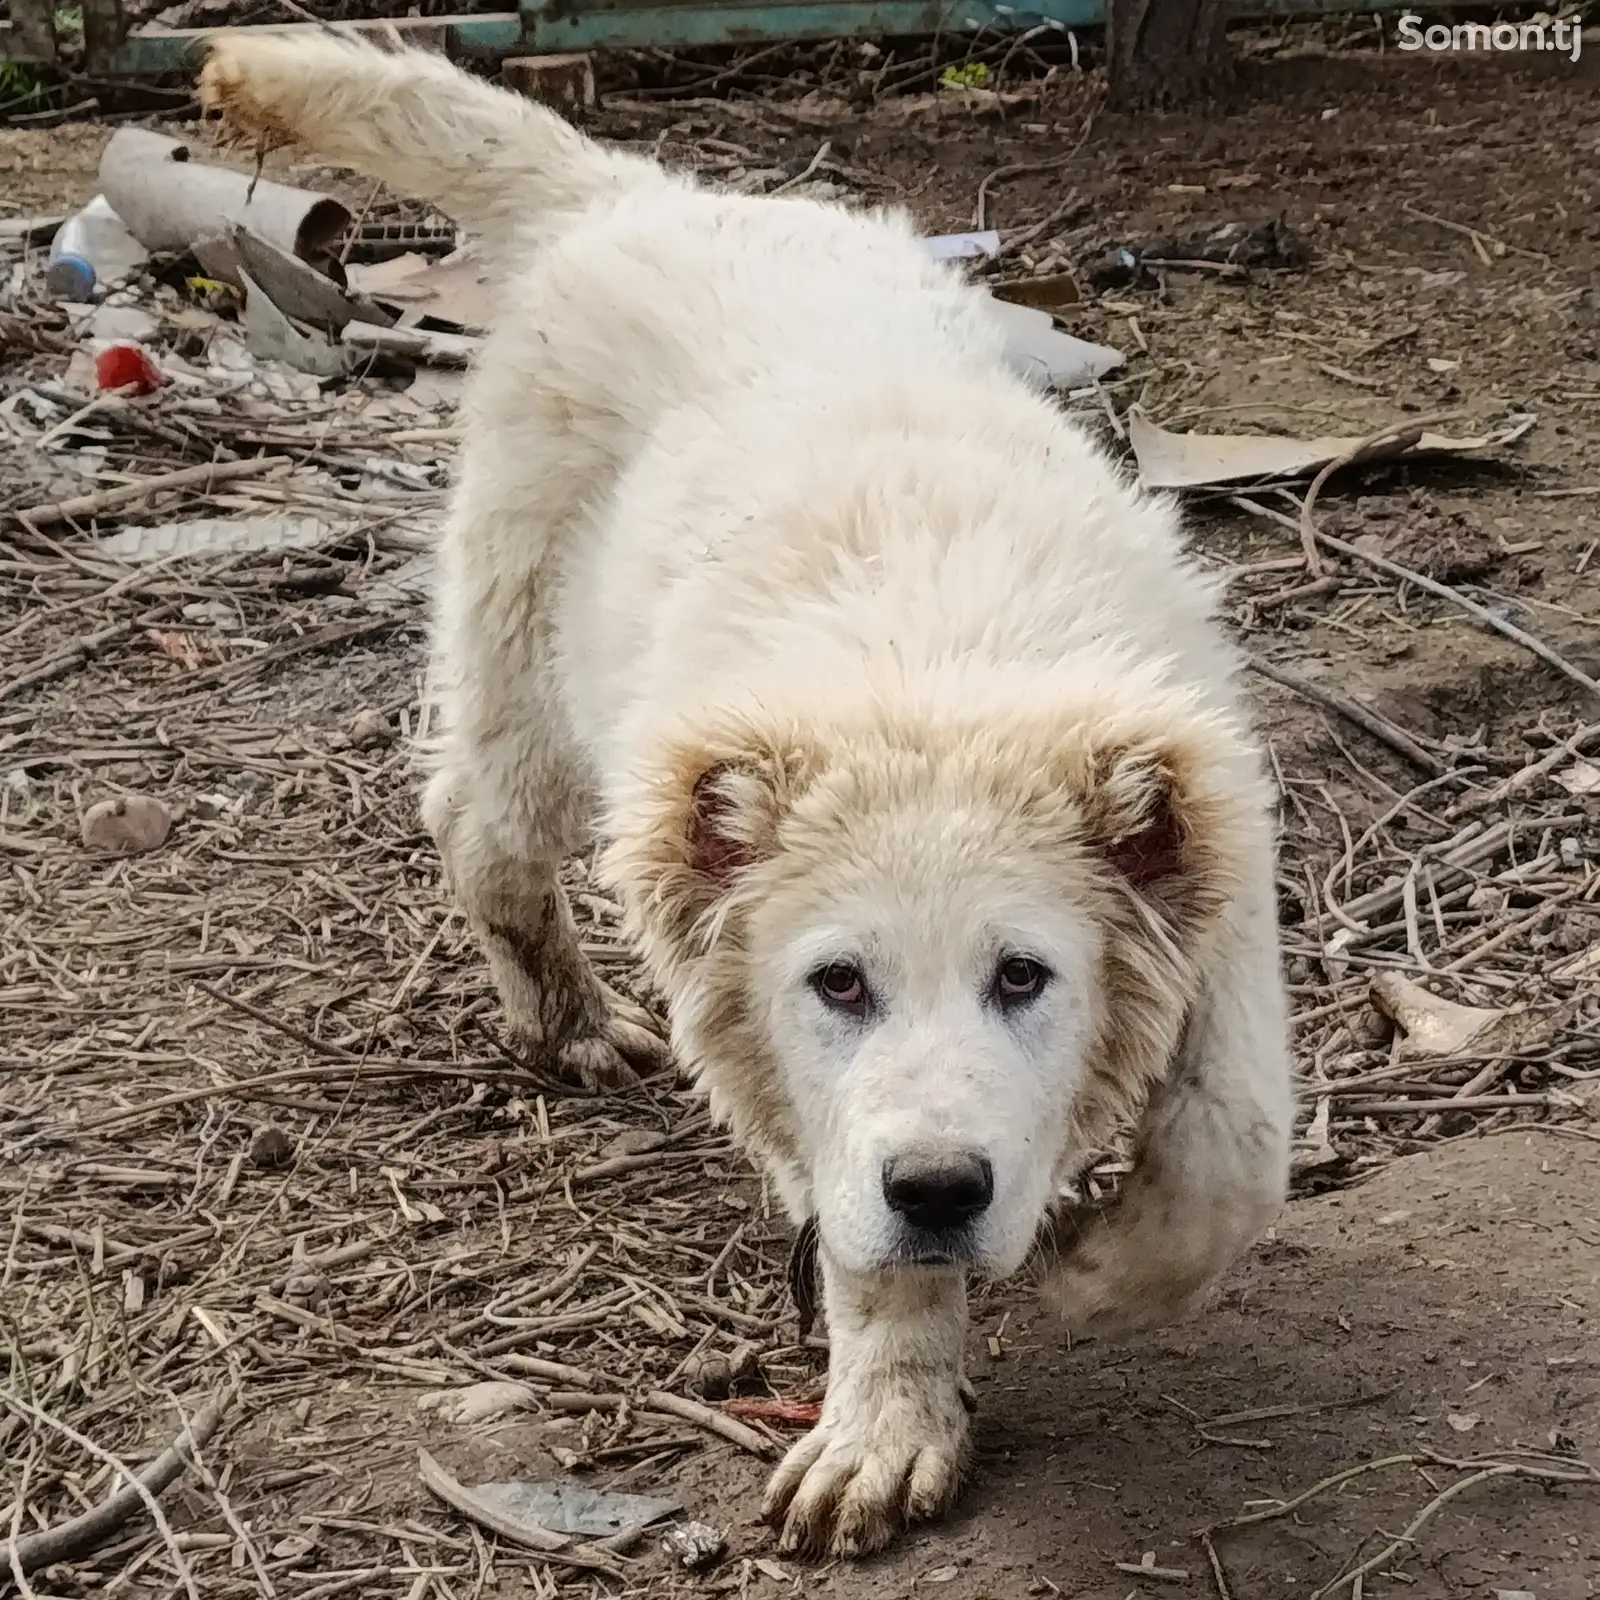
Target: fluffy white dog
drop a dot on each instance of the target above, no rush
(916, 750)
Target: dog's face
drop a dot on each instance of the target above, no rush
(917, 966)
(924, 974)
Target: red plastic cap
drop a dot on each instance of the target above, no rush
(126, 366)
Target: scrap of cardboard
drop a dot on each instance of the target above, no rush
(454, 290)
(962, 246)
(1212, 460)
(1037, 349)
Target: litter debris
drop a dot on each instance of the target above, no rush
(121, 324)
(1037, 349)
(454, 290)
(694, 1545)
(1053, 293)
(1433, 1026)
(1145, 1566)
(1582, 777)
(130, 825)
(271, 336)
(517, 1529)
(213, 536)
(92, 252)
(296, 288)
(480, 1402)
(127, 366)
(1462, 1421)
(782, 1413)
(18, 234)
(567, 1506)
(1229, 251)
(963, 246)
(170, 201)
(410, 344)
(1212, 460)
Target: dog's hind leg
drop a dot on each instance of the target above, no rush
(1211, 1165)
(892, 1443)
(505, 810)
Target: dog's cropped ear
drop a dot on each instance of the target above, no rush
(688, 830)
(732, 817)
(1137, 814)
(1155, 814)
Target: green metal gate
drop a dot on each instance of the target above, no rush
(549, 26)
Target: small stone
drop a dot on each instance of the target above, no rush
(369, 729)
(127, 826)
(271, 1147)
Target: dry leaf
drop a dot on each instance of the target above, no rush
(1582, 777)
(1205, 460)
(1463, 1421)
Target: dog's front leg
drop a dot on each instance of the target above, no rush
(892, 1441)
(1211, 1166)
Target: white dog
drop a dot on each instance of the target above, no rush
(918, 755)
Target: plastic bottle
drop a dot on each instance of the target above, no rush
(93, 247)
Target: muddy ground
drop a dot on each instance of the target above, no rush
(1442, 1300)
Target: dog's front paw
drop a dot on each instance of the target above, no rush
(851, 1485)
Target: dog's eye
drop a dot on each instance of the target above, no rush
(1018, 980)
(841, 986)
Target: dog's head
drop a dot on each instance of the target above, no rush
(918, 959)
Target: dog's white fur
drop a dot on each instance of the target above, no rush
(863, 653)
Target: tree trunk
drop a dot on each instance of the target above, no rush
(33, 34)
(103, 30)
(1165, 52)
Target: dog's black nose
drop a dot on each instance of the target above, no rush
(938, 1190)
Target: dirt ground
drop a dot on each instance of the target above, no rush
(429, 1216)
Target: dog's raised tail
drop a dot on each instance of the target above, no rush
(484, 156)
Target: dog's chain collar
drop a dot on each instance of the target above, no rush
(803, 1275)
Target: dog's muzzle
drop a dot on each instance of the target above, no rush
(939, 1196)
